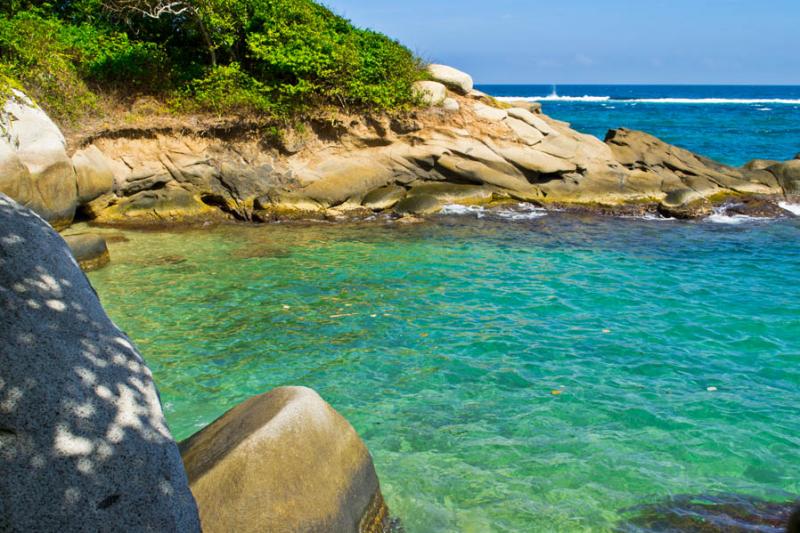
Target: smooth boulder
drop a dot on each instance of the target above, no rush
(283, 461)
(452, 78)
(430, 92)
(31, 139)
(83, 440)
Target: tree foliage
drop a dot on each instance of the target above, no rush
(265, 56)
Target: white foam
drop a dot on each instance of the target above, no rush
(720, 218)
(649, 216)
(556, 98)
(457, 209)
(792, 208)
(685, 101)
(519, 212)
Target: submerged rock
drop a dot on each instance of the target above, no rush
(729, 513)
(90, 251)
(284, 461)
(685, 203)
(83, 441)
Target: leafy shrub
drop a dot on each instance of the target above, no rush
(114, 62)
(278, 57)
(227, 88)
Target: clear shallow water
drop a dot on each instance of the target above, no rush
(443, 343)
(732, 124)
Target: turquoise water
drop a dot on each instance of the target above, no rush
(443, 344)
(729, 123)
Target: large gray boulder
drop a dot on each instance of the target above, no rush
(284, 461)
(83, 441)
(29, 140)
(454, 79)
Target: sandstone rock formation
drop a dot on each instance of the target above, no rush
(283, 461)
(93, 174)
(83, 441)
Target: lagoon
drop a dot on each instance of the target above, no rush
(517, 371)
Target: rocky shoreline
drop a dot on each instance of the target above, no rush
(463, 148)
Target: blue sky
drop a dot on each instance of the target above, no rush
(596, 41)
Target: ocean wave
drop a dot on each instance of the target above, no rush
(685, 101)
(518, 212)
(721, 218)
(556, 98)
(792, 208)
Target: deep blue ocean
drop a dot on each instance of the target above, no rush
(729, 123)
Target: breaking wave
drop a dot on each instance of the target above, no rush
(685, 101)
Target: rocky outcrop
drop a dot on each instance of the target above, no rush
(690, 182)
(83, 440)
(284, 461)
(344, 166)
(453, 79)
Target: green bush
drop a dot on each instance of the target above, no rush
(34, 53)
(277, 57)
(228, 89)
(113, 62)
